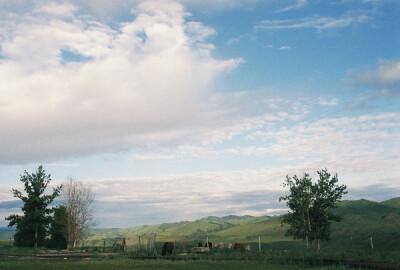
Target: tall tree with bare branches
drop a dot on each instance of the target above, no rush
(78, 200)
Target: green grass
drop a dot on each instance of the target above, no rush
(124, 263)
(332, 267)
(215, 259)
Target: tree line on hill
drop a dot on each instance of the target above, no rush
(40, 225)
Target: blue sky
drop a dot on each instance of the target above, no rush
(175, 110)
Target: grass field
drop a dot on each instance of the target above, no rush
(16, 258)
(125, 263)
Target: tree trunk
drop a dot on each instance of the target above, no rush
(36, 237)
(36, 233)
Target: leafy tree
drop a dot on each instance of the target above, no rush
(299, 201)
(58, 228)
(311, 206)
(33, 224)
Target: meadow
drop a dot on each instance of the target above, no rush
(126, 263)
(18, 258)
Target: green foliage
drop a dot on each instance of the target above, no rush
(311, 206)
(58, 228)
(33, 224)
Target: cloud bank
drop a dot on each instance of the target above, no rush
(71, 85)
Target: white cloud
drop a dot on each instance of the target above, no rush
(363, 150)
(368, 143)
(60, 10)
(385, 78)
(62, 164)
(110, 9)
(297, 5)
(143, 84)
(5, 193)
(373, 2)
(326, 102)
(316, 22)
(284, 48)
(234, 41)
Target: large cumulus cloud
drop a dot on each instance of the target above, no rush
(71, 85)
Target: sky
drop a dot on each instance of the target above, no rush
(177, 110)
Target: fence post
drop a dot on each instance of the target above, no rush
(259, 243)
(155, 243)
(104, 245)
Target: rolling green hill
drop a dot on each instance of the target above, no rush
(362, 219)
(395, 203)
(6, 232)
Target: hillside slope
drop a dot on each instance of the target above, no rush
(395, 202)
(6, 232)
(362, 219)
